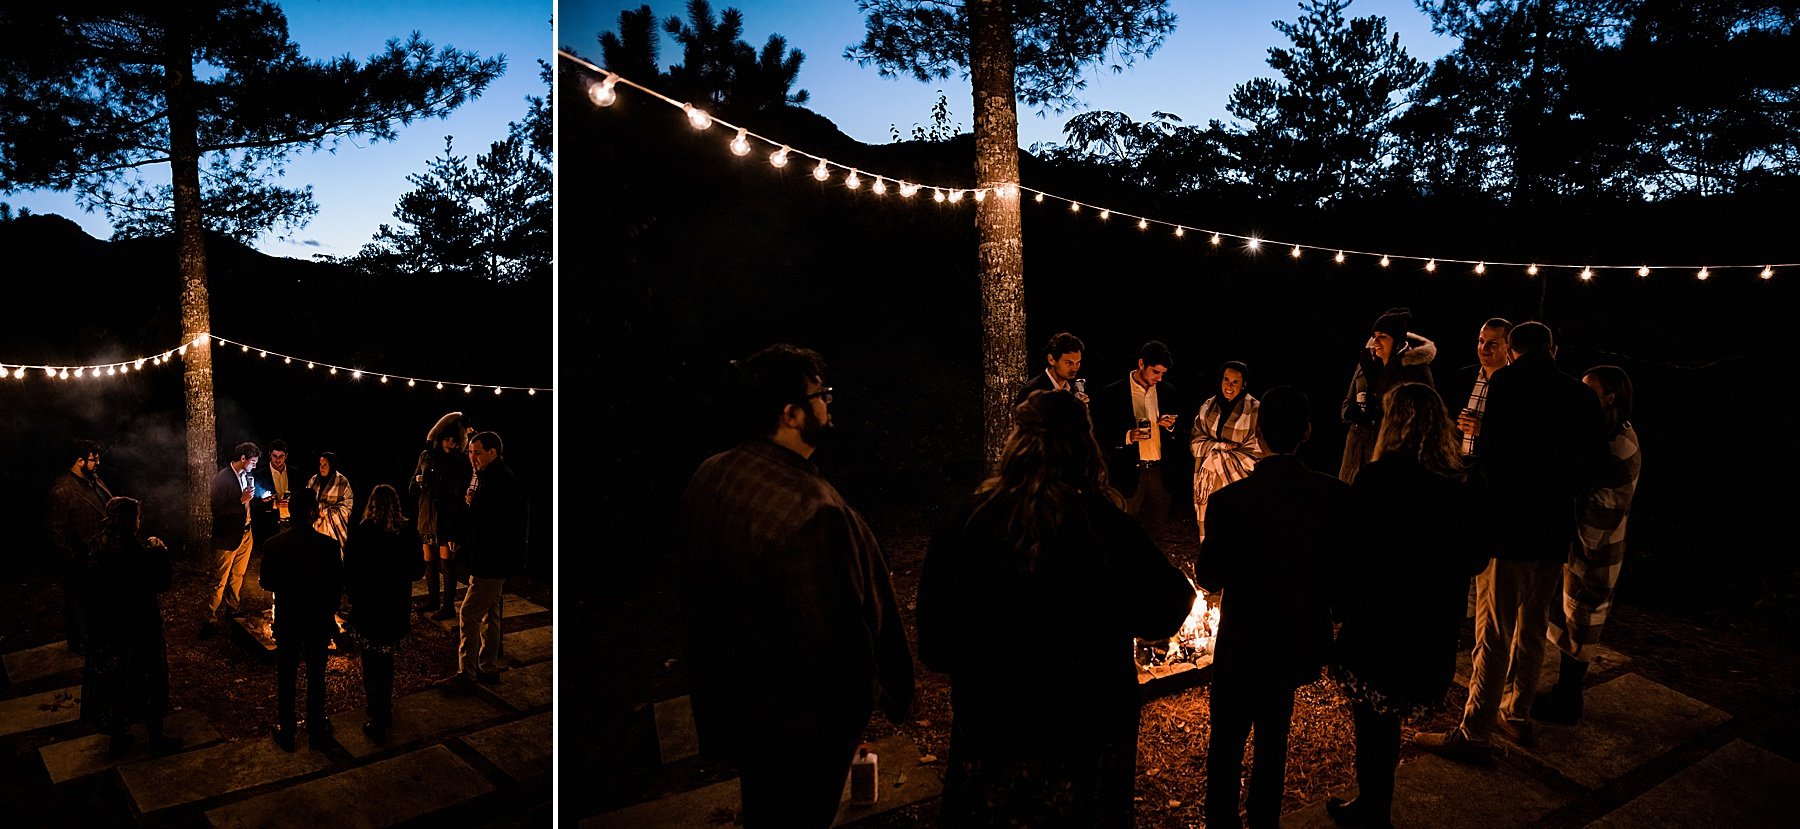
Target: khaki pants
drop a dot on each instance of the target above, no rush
(479, 642)
(1512, 601)
(228, 572)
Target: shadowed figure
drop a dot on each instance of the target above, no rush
(303, 569)
(126, 679)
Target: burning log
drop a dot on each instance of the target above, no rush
(1189, 651)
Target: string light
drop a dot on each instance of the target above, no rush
(1253, 243)
(603, 94)
(1180, 231)
(880, 187)
(1703, 274)
(852, 181)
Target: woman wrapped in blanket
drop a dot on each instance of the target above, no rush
(1225, 444)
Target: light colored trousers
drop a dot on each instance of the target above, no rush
(479, 642)
(228, 572)
(1512, 602)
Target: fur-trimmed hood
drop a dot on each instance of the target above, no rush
(1418, 351)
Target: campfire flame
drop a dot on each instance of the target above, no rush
(1193, 643)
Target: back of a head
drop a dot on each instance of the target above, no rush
(771, 380)
(303, 505)
(384, 508)
(1284, 419)
(1530, 338)
(1053, 437)
(122, 516)
(1415, 424)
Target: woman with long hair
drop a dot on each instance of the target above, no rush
(126, 679)
(335, 499)
(1598, 551)
(1403, 585)
(1226, 445)
(1031, 595)
(440, 477)
(1394, 354)
(380, 564)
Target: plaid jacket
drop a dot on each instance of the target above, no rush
(1599, 549)
(1224, 452)
(335, 502)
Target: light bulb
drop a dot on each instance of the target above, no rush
(852, 181)
(821, 172)
(1531, 271)
(356, 375)
(1105, 214)
(1767, 272)
(64, 375)
(1215, 238)
(698, 118)
(1074, 207)
(440, 385)
(1703, 274)
(182, 350)
(1038, 198)
(496, 389)
(468, 389)
(245, 349)
(1295, 252)
(288, 361)
(263, 354)
(1480, 268)
(1339, 258)
(124, 369)
(140, 362)
(1385, 261)
(779, 158)
(1431, 266)
(880, 186)
(384, 378)
(309, 365)
(907, 190)
(79, 371)
(980, 194)
(1644, 271)
(740, 145)
(411, 382)
(111, 371)
(956, 195)
(1253, 243)
(1180, 231)
(1587, 274)
(334, 370)
(532, 392)
(1143, 224)
(50, 371)
(936, 194)
(602, 93)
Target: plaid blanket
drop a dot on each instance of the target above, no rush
(1598, 551)
(1224, 451)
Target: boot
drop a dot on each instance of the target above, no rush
(431, 585)
(1563, 704)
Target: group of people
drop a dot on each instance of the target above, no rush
(470, 510)
(1034, 590)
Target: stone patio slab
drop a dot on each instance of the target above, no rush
(428, 713)
(904, 781)
(675, 732)
(1739, 785)
(385, 793)
(192, 776)
(528, 646)
(83, 756)
(519, 606)
(1625, 723)
(524, 688)
(1432, 791)
(521, 749)
(1605, 659)
(418, 588)
(29, 713)
(39, 662)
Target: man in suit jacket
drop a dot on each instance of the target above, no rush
(274, 480)
(1269, 544)
(77, 513)
(1466, 392)
(1542, 443)
(1063, 353)
(303, 569)
(1147, 455)
(232, 491)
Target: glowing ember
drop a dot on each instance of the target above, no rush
(1192, 644)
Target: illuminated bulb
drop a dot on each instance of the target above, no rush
(79, 371)
(182, 350)
(334, 370)
(880, 187)
(602, 93)
(1180, 231)
(1038, 198)
(1767, 272)
(741, 144)
(124, 369)
(1703, 274)
(1253, 243)
(1143, 224)
(263, 354)
(907, 189)
(64, 375)
(309, 365)
(1385, 261)
(356, 375)
(532, 392)
(1587, 274)
(852, 181)
(1295, 252)
(1074, 207)
(140, 362)
(50, 371)
(1339, 258)
(410, 383)
(699, 119)
(244, 348)
(1644, 271)
(1480, 268)
(440, 385)
(468, 389)
(821, 172)
(111, 371)
(1431, 266)
(936, 194)
(496, 389)
(981, 194)
(1531, 271)
(384, 378)
(779, 157)
(1105, 214)
(1215, 238)
(288, 361)
(956, 195)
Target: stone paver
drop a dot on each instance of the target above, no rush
(385, 793)
(524, 688)
(1625, 723)
(521, 749)
(513, 607)
(29, 713)
(1432, 791)
(192, 776)
(1740, 786)
(1605, 659)
(83, 756)
(419, 588)
(428, 713)
(528, 646)
(903, 782)
(40, 662)
(675, 732)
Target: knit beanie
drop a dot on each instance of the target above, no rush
(1394, 323)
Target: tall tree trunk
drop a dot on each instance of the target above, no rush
(197, 383)
(1001, 254)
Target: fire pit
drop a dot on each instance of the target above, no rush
(1186, 658)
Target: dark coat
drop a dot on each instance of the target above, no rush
(1543, 447)
(126, 679)
(265, 516)
(1455, 393)
(1111, 411)
(1270, 542)
(227, 510)
(76, 513)
(302, 568)
(1038, 382)
(379, 569)
(1411, 364)
(492, 540)
(440, 494)
(1402, 586)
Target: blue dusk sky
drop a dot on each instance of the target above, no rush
(356, 187)
(1215, 46)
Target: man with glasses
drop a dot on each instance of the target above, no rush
(793, 632)
(77, 513)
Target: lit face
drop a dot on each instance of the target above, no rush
(1383, 345)
(1149, 376)
(278, 460)
(250, 462)
(1065, 366)
(481, 456)
(1490, 348)
(818, 414)
(1232, 384)
(324, 467)
(449, 444)
(88, 465)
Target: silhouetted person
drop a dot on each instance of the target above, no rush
(1063, 356)
(491, 548)
(440, 479)
(792, 628)
(1391, 356)
(1136, 422)
(126, 677)
(1400, 589)
(232, 490)
(1270, 542)
(76, 513)
(1043, 553)
(302, 567)
(380, 563)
